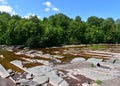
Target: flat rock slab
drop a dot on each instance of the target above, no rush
(3, 72)
(40, 79)
(43, 73)
(75, 65)
(96, 73)
(17, 63)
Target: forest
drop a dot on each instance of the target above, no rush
(57, 30)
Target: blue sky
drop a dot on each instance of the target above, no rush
(72, 8)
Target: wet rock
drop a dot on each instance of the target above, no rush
(77, 59)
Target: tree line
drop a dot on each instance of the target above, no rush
(57, 30)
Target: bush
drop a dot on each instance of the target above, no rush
(98, 81)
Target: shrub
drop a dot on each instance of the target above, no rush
(98, 81)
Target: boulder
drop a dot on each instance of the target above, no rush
(94, 61)
(77, 59)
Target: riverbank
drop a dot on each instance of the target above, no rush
(74, 66)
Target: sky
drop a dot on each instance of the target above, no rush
(71, 8)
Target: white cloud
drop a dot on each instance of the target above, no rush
(47, 9)
(30, 14)
(50, 6)
(55, 9)
(3, 2)
(8, 9)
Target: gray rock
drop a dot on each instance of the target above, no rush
(40, 79)
(114, 60)
(3, 72)
(85, 84)
(41, 72)
(17, 63)
(29, 76)
(10, 71)
(94, 84)
(94, 61)
(55, 80)
(77, 59)
(63, 83)
(24, 82)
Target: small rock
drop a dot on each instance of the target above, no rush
(2, 56)
(94, 84)
(10, 71)
(85, 84)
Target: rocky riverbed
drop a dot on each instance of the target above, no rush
(80, 65)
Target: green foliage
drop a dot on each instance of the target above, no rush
(98, 82)
(57, 30)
